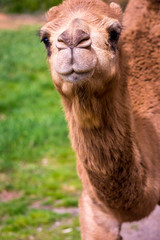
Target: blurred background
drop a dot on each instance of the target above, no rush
(39, 187)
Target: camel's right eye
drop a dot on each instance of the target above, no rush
(46, 41)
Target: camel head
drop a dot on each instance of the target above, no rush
(82, 41)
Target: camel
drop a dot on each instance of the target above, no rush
(112, 108)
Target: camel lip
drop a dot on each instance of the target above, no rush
(74, 76)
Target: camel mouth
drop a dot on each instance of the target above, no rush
(74, 76)
(75, 65)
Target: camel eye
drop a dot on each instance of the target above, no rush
(114, 32)
(46, 41)
(114, 36)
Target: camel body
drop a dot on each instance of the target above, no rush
(112, 109)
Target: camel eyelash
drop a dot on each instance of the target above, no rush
(44, 36)
(46, 41)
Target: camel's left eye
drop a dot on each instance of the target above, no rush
(114, 36)
(46, 41)
(114, 33)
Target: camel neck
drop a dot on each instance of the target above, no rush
(101, 129)
(101, 132)
(106, 148)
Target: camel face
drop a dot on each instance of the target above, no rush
(82, 40)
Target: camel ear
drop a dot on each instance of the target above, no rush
(51, 14)
(116, 8)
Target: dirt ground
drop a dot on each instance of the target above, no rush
(14, 21)
(146, 229)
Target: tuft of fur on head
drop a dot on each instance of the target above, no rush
(112, 11)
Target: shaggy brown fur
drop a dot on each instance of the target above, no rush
(142, 41)
(117, 141)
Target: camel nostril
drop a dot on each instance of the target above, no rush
(63, 41)
(83, 39)
(78, 38)
(85, 43)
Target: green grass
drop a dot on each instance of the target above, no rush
(37, 164)
(16, 6)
